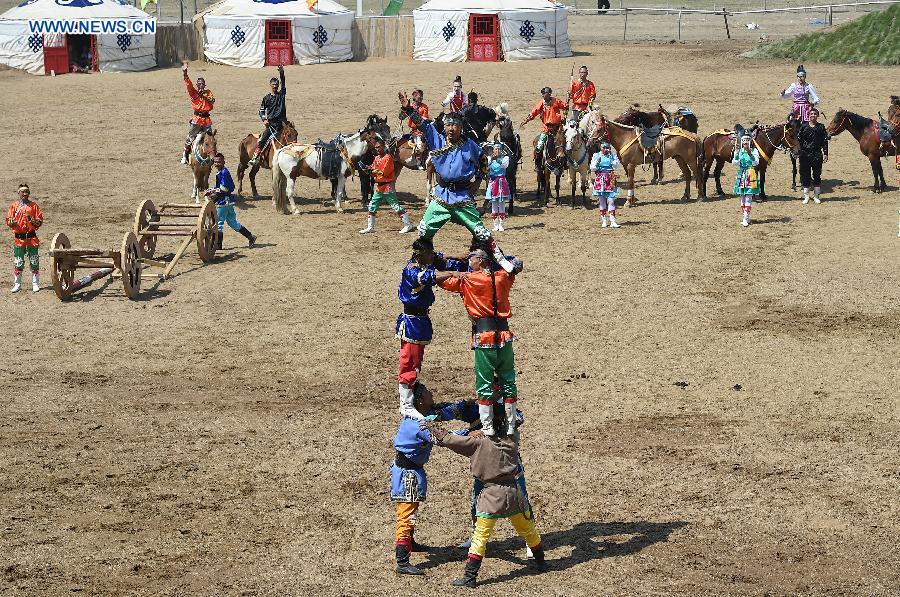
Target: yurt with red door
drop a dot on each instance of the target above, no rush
(257, 33)
(60, 53)
(490, 30)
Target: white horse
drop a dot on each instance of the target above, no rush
(296, 160)
(588, 123)
(578, 158)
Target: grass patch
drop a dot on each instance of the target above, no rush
(871, 39)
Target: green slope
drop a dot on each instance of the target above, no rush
(872, 39)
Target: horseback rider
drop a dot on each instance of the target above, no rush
(273, 113)
(202, 101)
(813, 140)
(479, 117)
(456, 160)
(582, 93)
(803, 95)
(422, 108)
(551, 111)
(456, 99)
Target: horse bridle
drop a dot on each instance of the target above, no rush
(202, 161)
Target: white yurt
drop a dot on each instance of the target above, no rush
(490, 30)
(257, 33)
(59, 52)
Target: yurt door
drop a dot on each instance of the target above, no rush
(484, 38)
(56, 53)
(278, 43)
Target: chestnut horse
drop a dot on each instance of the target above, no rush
(552, 160)
(864, 131)
(203, 150)
(635, 117)
(247, 148)
(682, 146)
(718, 147)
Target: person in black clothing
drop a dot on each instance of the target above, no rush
(478, 117)
(273, 113)
(813, 140)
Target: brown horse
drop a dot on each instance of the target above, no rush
(633, 116)
(551, 160)
(864, 131)
(247, 148)
(719, 148)
(203, 150)
(682, 146)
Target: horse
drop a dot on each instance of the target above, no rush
(682, 146)
(247, 148)
(578, 159)
(292, 161)
(675, 117)
(203, 150)
(552, 160)
(864, 131)
(719, 147)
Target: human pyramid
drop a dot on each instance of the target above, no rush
(483, 277)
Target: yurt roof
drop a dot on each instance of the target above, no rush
(272, 8)
(488, 6)
(73, 10)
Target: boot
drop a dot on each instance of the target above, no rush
(407, 409)
(817, 191)
(510, 410)
(486, 414)
(255, 159)
(219, 236)
(17, 282)
(500, 227)
(417, 547)
(35, 282)
(745, 218)
(603, 222)
(496, 227)
(805, 195)
(407, 225)
(538, 563)
(251, 240)
(371, 225)
(470, 575)
(403, 565)
(612, 219)
(185, 153)
(501, 259)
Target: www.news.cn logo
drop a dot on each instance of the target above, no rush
(94, 26)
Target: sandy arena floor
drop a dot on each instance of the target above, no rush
(710, 410)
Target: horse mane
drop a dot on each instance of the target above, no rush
(858, 121)
(895, 100)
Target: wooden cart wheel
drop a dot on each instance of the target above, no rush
(207, 229)
(63, 272)
(131, 266)
(146, 218)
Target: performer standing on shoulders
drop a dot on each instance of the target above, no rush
(457, 160)
(813, 140)
(24, 217)
(802, 94)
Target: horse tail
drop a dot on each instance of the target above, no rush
(279, 184)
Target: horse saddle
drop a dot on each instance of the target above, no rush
(885, 129)
(650, 137)
(332, 161)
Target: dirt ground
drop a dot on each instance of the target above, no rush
(710, 410)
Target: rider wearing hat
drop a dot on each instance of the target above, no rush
(551, 110)
(479, 117)
(803, 95)
(202, 101)
(422, 108)
(456, 160)
(456, 99)
(273, 113)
